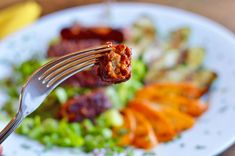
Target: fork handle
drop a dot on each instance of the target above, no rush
(11, 126)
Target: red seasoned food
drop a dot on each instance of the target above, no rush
(77, 38)
(68, 46)
(115, 66)
(86, 106)
(102, 33)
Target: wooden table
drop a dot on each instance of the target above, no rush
(222, 11)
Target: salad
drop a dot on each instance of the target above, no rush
(160, 101)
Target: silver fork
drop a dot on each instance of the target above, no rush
(46, 78)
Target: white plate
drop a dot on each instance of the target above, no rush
(213, 132)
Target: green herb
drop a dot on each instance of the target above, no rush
(122, 131)
(206, 132)
(223, 90)
(200, 147)
(25, 146)
(223, 109)
(109, 153)
(149, 154)
(219, 132)
(182, 145)
(129, 152)
(178, 137)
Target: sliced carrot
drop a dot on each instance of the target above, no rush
(125, 133)
(162, 127)
(180, 121)
(144, 134)
(159, 112)
(192, 107)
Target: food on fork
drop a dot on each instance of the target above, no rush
(115, 66)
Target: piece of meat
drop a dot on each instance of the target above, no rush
(88, 78)
(68, 46)
(115, 66)
(103, 33)
(86, 106)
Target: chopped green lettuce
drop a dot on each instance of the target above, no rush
(90, 135)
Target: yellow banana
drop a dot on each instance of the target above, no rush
(18, 16)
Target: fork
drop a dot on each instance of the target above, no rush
(47, 78)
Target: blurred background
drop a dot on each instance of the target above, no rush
(221, 11)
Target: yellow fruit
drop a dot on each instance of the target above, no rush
(18, 16)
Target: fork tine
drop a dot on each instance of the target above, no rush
(68, 64)
(72, 71)
(65, 61)
(68, 56)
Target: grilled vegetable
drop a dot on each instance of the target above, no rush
(194, 57)
(143, 26)
(179, 38)
(176, 74)
(203, 79)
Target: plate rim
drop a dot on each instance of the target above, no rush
(197, 17)
(224, 31)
